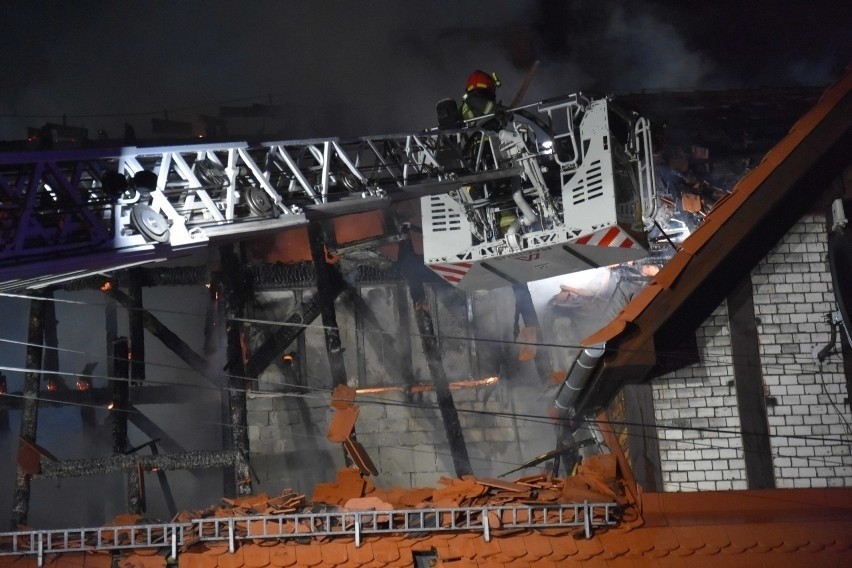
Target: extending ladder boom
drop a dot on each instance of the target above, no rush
(68, 213)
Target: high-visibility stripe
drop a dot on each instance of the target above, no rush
(612, 237)
(609, 237)
(452, 273)
(449, 270)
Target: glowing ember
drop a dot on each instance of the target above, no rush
(52, 385)
(650, 269)
(106, 286)
(83, 384)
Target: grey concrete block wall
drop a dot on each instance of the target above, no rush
(407, 442)
(807, 408)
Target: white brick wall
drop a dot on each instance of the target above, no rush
(691, 402)
(808, 419)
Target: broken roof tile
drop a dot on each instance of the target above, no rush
(342, 424)
(360, 457)
(351, 482)
(342, 396)
(502, 484)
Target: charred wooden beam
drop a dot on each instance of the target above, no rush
(263, 276)
(329, 282)
(156, 328)
(164, 485)
(239, 412)
(148, 277)
(4, 412)
(236, 293)
(120, 403)
(745, 353)
(136, 504)
(277, 343)
(29, 410)
(150, 429)
(51, 339)
(643, 447)
(403, 338)
(196, 459)
(449, 414)
(137, 325)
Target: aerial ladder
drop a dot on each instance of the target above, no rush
(535, 191)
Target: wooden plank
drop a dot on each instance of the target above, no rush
(748, 377)
(643, 448)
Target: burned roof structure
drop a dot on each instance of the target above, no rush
(794, 178)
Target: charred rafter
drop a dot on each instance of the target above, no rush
(197, 459)
(449, 414)
(29, 410)
(163, 333)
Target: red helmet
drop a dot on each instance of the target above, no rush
(482, 80)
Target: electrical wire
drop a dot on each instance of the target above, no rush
(531, 418)
(519, 417)
(722, 359)
(589, 423)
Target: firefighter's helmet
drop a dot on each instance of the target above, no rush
(481, 80)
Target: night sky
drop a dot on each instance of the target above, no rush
(370, 67)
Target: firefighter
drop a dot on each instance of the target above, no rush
(480, 96)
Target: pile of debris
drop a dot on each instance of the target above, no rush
(596, 481)
(286, 503)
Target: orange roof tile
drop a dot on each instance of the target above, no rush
(135, 560)
(342, 424)
(199, 557)
(385, 551)
(563, 547)
(235, 560)
(359, 556)
(309, 554)
(255, 556)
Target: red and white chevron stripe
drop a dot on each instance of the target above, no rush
(611, 237)
(452, 273)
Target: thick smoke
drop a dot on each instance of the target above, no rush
(359, 68)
